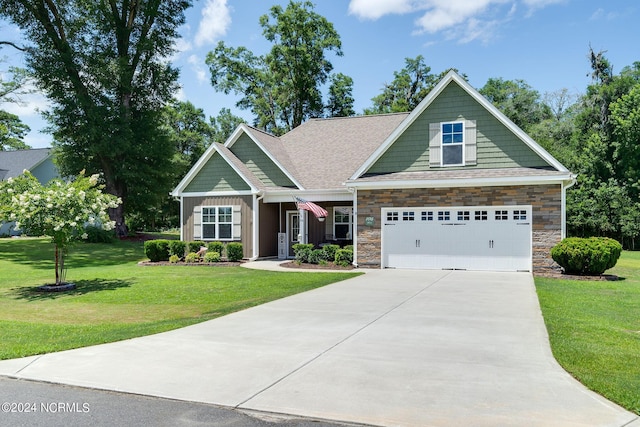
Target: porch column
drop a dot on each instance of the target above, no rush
(303, 237)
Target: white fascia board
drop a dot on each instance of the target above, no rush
(328, 195)
(218, 193)
(246, 130)
(465, 182)
(201, 162)
(424, 104)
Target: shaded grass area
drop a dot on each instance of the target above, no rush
(594, 329)
(117, 299)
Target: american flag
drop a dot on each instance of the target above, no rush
(311, 207)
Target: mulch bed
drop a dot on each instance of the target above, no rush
(306, 266)
(558, 274)
(192, 264)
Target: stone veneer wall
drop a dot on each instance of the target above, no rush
(546, 201)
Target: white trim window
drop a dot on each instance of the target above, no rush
(342, 222)
(217, 223)
(453, 144)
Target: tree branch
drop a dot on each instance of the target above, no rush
(13, 45)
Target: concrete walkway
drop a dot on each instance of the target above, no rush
(391, 347)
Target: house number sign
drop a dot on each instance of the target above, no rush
(369, 221)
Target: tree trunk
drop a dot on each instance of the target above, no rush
(57, 252)
(117, 215)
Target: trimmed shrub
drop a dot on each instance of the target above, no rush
(98, 235)
(315, 256)
(586, 256)
(216, 247)
(344, 257)
(302, 251)
(330, 252)
(177, 247)
(157, 250)
(195, 246)
(212, 256)
(174, 259)
(235, 252)
(192, 258)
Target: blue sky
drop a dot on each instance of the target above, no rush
(543, 42)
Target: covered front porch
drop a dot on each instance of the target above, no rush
(283, 223)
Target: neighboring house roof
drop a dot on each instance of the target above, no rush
(327, 155)
(13, 163)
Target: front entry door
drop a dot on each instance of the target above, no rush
(293, 230)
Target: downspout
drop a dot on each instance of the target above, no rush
(563, 208)
(182, 218)
(256, 226)
(354, 226)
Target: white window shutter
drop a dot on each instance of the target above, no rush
(435, 144)
(470, 147)
(237, 222)
(197, 223)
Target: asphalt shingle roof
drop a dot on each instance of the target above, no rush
(326, 152)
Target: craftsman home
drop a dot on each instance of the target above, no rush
(453, 184)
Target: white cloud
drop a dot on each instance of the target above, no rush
(198, 68)
(216, 18)
(601, 14)
(374, 9)
(463, 20)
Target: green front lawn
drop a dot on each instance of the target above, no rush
(594, 328)
(117, 299)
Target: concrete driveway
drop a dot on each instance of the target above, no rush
(391, 347)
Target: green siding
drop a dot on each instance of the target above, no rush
(259, 164)
(216, 175)
(497, 146)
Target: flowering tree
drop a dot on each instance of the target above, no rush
(60, 210)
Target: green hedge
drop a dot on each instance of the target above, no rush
(235, 252)
(195, 246)
(302, 251)
(586, 256)
(177, 247)
(157, 250)
(344, 257)
(216, 247)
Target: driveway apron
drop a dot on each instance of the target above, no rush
(391, 347)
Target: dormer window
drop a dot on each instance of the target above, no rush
(452, 144)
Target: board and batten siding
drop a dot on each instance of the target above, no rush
(246, 212)
(216, 175)
(259, 163)
(496, 145)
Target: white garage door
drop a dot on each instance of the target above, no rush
(470, 238)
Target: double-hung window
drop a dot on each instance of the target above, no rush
(452, 144)
(342, 223)
(217, 223)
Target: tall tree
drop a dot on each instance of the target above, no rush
(12, 132)
(605, 200)
(517, 100)
(408, 88)
(341, 99)
(104, 66)
(224, 124)
(284, 87)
